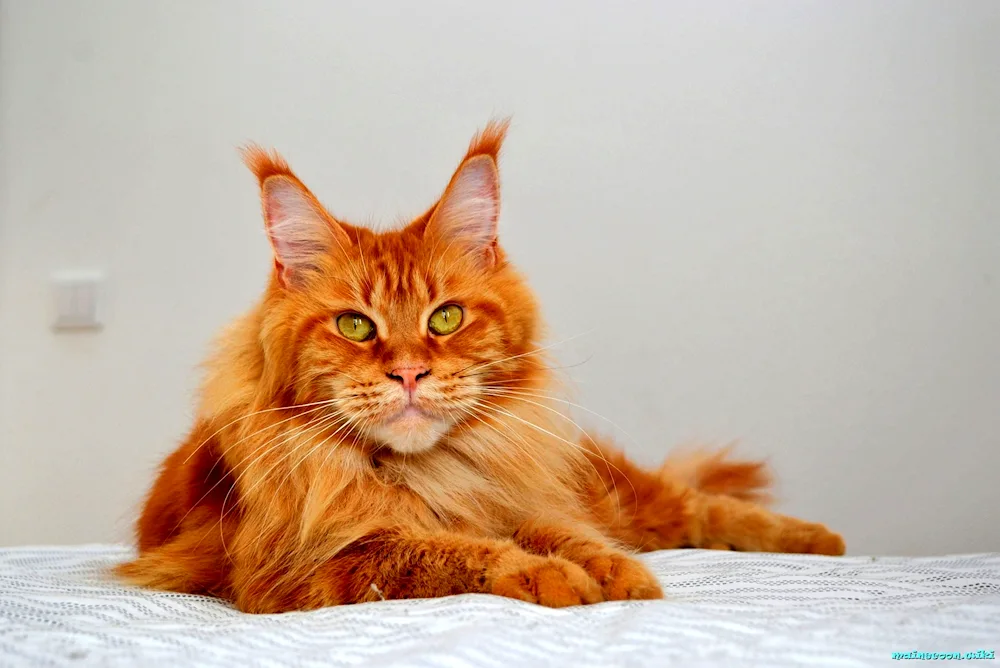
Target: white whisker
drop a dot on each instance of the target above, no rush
(574, 445)
(483, 365)
(309, 426)
(250, 415)
(257, 449)
(519, 392)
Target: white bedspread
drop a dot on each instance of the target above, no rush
(58, 607)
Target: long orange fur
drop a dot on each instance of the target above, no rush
(297, 487)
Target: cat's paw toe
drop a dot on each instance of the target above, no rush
(552, 582)
(817, 539)
(623, 578)
(829, 543)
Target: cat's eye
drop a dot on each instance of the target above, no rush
(446, 319)
(356, 327)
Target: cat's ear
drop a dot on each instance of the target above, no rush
(301, 231)
(469, 210)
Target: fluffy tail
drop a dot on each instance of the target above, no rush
(714, 473)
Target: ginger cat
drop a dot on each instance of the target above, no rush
(383, 424)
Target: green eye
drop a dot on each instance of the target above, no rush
(446, 319)
(356, 327)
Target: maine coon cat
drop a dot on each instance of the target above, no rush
(384, 424)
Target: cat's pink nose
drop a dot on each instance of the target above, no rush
(409, 376)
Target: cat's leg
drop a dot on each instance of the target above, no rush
(396, 566)
(651, 510)
(621, 576)
(725, 521)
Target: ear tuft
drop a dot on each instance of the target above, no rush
(264, 163)
(489, 140)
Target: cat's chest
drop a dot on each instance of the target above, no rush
(458, 495)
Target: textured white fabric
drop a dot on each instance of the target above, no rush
(59, 607)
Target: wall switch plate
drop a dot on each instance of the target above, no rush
(77, 298)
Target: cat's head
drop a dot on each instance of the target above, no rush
(405, 334)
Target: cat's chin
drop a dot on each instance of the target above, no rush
(411, 432)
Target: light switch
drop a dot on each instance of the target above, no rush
(77, 297)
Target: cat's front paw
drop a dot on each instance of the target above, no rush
(622, 577)
(548, 581)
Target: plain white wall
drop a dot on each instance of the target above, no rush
(794, 206)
